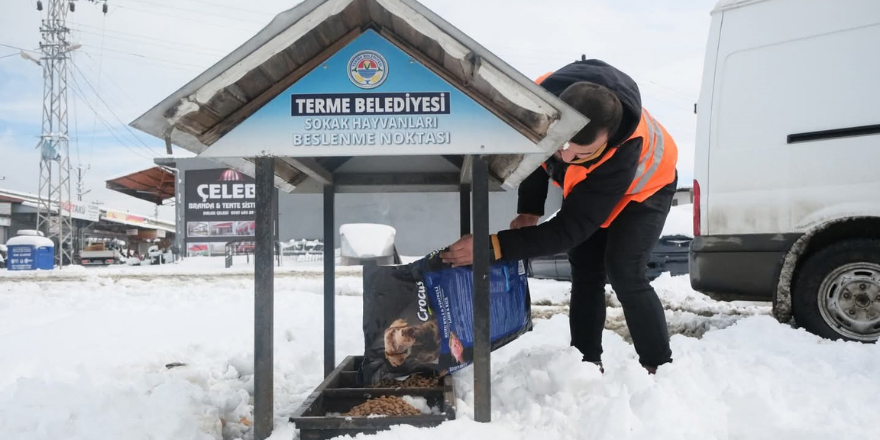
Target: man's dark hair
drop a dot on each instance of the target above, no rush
(599, 104)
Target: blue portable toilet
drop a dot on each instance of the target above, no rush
(30, 250)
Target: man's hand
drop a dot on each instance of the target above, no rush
(460, 253)
(524, 221)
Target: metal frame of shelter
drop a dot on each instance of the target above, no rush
(300, 41)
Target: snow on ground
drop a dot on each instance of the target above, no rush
(200, 266)
(86, 359)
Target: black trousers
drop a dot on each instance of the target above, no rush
(621, 253)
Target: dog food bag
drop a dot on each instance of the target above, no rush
(418, 317)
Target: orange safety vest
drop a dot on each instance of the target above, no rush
(656, 164)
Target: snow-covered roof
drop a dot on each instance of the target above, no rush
(297, 41)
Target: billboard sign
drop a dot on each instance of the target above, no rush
(220, 207)
(82, 210)
(371, 98)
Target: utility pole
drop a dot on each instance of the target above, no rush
(54, 188)
(80, 185)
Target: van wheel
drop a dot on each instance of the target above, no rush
(837, 292)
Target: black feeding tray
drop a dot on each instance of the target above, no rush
(341, 391)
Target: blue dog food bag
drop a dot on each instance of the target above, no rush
(418, 317)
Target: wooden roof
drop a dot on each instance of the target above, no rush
(300, 39)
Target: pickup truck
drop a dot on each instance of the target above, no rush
(670, 254)
(99, 254)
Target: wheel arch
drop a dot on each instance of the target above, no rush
(867, 227)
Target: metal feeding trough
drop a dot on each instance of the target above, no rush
(321, 416)
(354, 96)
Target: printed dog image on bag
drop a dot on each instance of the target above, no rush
(418, 316)
(421, 341)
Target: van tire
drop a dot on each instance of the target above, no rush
(827, 270)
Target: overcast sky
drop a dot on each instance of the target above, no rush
(144, 50)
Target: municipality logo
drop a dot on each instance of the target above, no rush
(367, 69)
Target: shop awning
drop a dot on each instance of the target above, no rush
(154, 185)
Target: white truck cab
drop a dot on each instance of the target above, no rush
(787, 165)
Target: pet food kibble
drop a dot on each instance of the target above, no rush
(413, 381)
(383, 406)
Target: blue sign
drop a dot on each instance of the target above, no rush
(22, 257)
(371, 99)
(30, 257)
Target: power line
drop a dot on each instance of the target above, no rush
(76, 135)
(141, 36)
(226, 6)
(146, 41)
(110, 79)
(78, 92)
(127, 128)
(118, 119)
(152, 58)
(224, 26)
(141, 63)
(200, 12)
(18, 48)
(113, 83)
(100, 69)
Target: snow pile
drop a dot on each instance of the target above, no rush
(365, 240)
(675, 293)
(89, 360)
(421, 404)
(549, 291)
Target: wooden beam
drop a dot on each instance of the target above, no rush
(467, 166)
(226, 125)
(312, 168)
(395, 182)
(446, 75)
(455, 160)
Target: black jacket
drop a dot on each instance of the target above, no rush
(591, 201)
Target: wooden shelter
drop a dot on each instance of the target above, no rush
(353, 68)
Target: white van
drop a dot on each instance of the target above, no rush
(787, 173)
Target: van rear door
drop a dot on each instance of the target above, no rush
(787, 69)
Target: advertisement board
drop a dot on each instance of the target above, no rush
(22, 258)
(219, 207)
(371, 98)
(82, 210)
